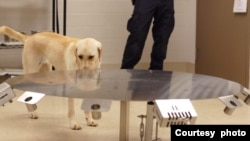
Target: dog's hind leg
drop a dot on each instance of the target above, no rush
(32, 63)
(45, 67)
(71, 115)
(42, 67)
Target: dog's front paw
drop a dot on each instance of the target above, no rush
(33, 116)
(91, 122)
(75, 126)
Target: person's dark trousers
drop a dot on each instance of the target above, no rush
(162, 14)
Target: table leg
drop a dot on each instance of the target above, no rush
(124, 120)
(149, 121)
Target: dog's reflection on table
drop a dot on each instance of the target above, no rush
(85, 80)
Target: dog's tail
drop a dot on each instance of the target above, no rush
(12, 33)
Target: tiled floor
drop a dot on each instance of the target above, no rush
(52, 124)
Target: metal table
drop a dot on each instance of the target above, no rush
(126, 85)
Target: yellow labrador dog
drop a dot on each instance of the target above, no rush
(46, 49)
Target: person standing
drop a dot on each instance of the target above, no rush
(161, 12)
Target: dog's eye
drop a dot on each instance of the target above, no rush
(80, 57)
(91, 57)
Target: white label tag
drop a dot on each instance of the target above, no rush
(240, 6)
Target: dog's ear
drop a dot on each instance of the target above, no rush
(99, 48)
(76, 55)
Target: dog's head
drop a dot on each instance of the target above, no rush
(88, 53)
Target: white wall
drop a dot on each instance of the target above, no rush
(25, 15)
(104, 20)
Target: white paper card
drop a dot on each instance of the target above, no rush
(240, 6)
(30, 97)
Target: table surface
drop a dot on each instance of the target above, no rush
(126, 85)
